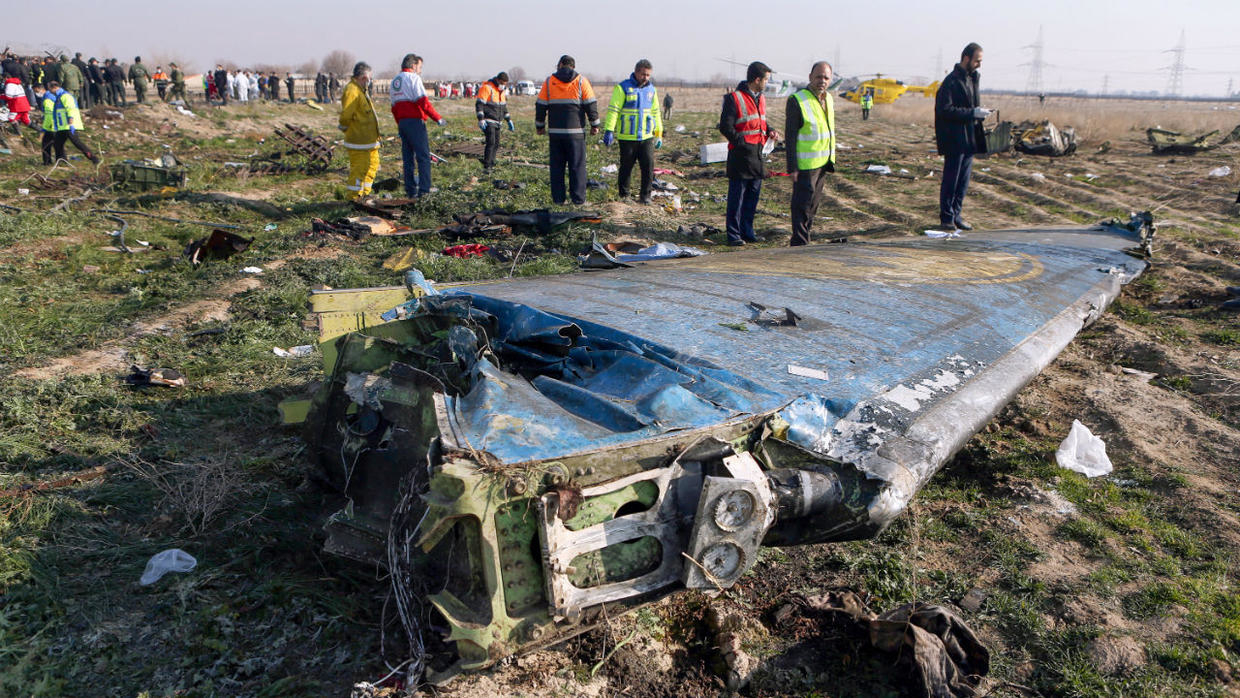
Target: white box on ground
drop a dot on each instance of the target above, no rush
(714, 152)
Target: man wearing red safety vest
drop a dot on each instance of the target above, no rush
(743, 122)
(565, 104)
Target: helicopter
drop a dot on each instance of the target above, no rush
(884, 90)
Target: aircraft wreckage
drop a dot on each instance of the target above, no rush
(525, 456)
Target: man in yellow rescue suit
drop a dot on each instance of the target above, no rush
(361, 133)
(633, 118)
(810, 115)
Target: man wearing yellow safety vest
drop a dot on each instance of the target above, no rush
(867, 103)
(634, 108)
(743, 122)
(811, 116)
(61, 122)
(361, 133)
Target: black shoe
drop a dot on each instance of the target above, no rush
(1233, 290)
(644, 202)
(961, 225)
(736, 243)
(1233, 304)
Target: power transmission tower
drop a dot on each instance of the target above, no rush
(1033, 85)
(1175, 83)
(1106, 81)
(938, 66)
(835, 61)
(1230, 92)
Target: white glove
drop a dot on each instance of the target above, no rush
(980, 113)
(441, 122)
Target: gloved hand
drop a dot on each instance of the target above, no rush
(442, 122)
(341, 127)
(511, 126)
(72, 129)
(980, 113)
(658, 143)
(609, 138)
(482, 125)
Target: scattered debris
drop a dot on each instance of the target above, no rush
(74, 479)
(1044, 138)
(1164, 142)
(152, 173)
(943, 655)
(296, 352)
(940, 234)
(806, 372)
(660, 250)
(878, 169)
(163, 377)
(767, 317)
(346, 227)
(171, 560)
(610, 169)
(307, 152)
(465, 251)
(220, 244)
(1082, 452)
(404, 259)
(251, 270)
(505, 184)
(1220, 171)
(697, 230)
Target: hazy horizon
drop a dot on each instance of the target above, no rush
(1085, 45)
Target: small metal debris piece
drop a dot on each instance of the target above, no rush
(221, 244)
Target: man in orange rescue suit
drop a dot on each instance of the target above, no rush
(565, 104)
(492, 107)
(743, 122)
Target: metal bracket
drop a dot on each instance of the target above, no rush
(733, 515)
(665, 521)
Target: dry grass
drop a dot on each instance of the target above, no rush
(198, 494)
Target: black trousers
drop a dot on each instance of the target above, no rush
(568, 152)
(117, 90)
(957, 168)
(492, 146)
(56, 141)
(641, 152)
(806, 195)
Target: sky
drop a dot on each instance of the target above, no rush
(1087, 44)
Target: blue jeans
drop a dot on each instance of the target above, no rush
(415, 146)
(957, 168)
(742, 203)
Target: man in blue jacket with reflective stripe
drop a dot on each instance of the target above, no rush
(633, 117)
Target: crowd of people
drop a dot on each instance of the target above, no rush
(566, 108)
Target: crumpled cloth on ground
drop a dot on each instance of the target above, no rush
(946, 659)
(465, 251)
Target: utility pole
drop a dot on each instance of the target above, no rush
(1230, 92)
(1175, 83)
(1106, 81)
(1033, 85)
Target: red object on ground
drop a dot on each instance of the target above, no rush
(464, 251)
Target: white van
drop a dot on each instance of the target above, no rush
(525, 87)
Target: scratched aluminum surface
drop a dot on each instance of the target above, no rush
(877, 317)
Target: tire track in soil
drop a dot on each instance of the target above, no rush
(1028, 194)
(867, 196)
(1099, 197)
(1038, 214)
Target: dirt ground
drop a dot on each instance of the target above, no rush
(1125, 585)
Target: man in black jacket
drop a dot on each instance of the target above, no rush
(94, 77)
(85, 102)
(958, 133)
(289, 84)
(743, 122)
(116, 74)
(221, 83)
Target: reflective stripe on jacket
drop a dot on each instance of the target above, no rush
(565, 104)
(750, 118)
(357, 116)
(64, 110)
(633, 112)
(816, 138)
(492, 103)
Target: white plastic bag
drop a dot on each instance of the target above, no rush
(171, 560)
(1220, 171)
(1083, 452)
